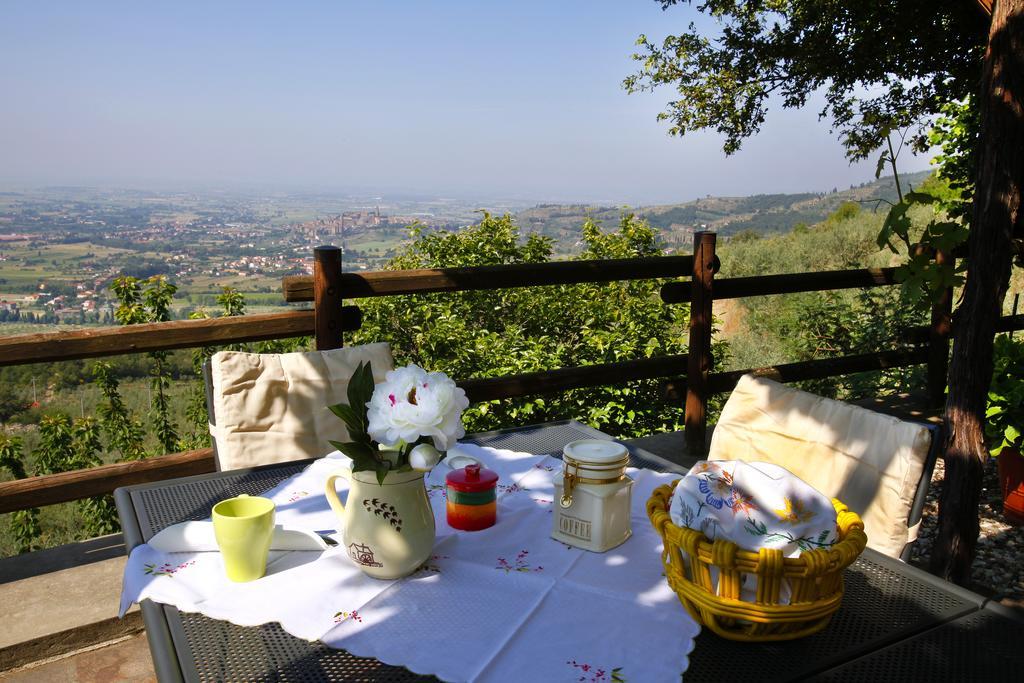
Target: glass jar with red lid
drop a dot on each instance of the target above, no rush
(472, 502)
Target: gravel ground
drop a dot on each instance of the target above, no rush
(999, 563)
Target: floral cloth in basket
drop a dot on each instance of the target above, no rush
(755, 505)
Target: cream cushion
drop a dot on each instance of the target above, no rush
(270, 408)
(871, 462)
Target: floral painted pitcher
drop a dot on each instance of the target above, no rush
(389, 528)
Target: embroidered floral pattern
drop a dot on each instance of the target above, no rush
(756, 528)
(794, 511)
(165, 569)
(343, 615)
(741, 502)
(511, 488)
(717, 489)
(593, 674)
(690, 515)
(519, 564)
(297, 495)
(437, 490)
(545, 468)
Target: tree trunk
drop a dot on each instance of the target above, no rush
(997, 215)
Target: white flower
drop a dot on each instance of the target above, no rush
(424, 457)
(411, 403)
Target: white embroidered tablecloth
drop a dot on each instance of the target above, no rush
(506, 603)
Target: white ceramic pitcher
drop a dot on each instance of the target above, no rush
(389, 528)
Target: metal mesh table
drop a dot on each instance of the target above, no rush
(888, 604)
(987, 645)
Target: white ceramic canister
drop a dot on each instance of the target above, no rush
(592, 497)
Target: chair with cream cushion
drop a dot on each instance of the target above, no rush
(270, 408)
(878, 465)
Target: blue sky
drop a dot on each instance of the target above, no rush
(477, 99)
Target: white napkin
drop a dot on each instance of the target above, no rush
(193, 537)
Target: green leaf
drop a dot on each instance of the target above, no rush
(919, 198)
(362, 454)
(354, 419)
(360, 387)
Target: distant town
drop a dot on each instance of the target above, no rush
(62, 247)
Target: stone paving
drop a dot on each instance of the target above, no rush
(124, 660)
(998, 570)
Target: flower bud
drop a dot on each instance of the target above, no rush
(424, 457)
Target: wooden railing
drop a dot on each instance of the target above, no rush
(178, 334)
(688, 378)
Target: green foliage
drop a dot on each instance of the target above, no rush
(24, 523)
(746, 236)
(788, 328)
(149, 305)
(955, 133)
(128, 291)
(950, 194)
(232, 301)
(66, 445)
(11, 405)
(881, 66)
(845, 211)
(1004, 416)
(55, 444)
(157, 301)
(124, 432)
(921, 273)
(521, 330)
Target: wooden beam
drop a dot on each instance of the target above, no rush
(787, 283)
(721, 382)
(392, 282)
(817, 369)
(550, 381)
(49, 489)
(97, 342)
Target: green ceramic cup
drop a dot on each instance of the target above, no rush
(243, 527)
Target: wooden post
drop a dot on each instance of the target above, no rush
(938, 339)
(327, 297)
(699, 352)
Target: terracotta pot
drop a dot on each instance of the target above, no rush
(1011, 482)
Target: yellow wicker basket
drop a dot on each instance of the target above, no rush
(815, 578)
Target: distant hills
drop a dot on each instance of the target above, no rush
(761, 213)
